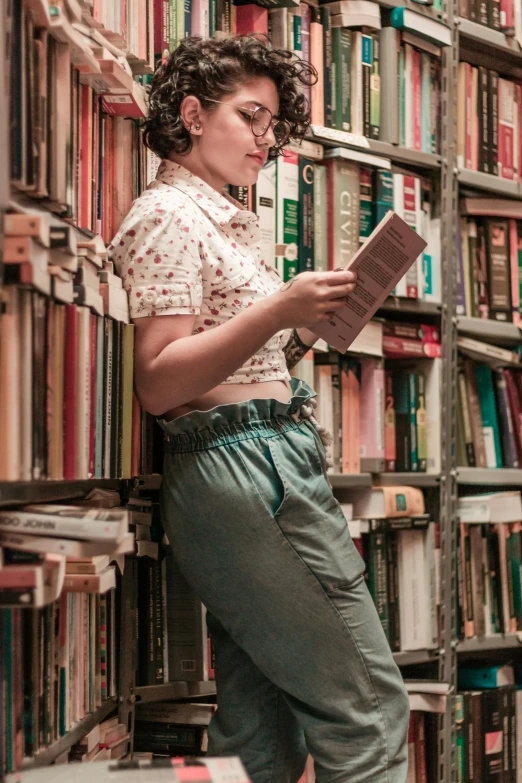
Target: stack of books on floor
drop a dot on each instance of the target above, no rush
(489, 562)
(399, 543)
(107, 740)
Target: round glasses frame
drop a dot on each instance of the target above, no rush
(281, 136)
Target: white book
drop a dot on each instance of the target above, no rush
(10, 402)
(491, 508)
(432, 369)
(413, 597)
(287, 205)
(369, 340)
(91, 524)
(265, 209)
(189, 714)
(304, 370)
(323, 387)
(380, 262)
(487, 353)
(427, 702)
(433, 258)
(83, 394)
(398, 207)
(432, 637)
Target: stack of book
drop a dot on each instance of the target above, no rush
(173, 729)
(399, 544)
(490, 558)
(107, 740)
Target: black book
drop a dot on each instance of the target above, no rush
(492, 736)
(401, 396)
(40, 387)
(483, 140)
(499, 271)
(115, 425)
(493, 121)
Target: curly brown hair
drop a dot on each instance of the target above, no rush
(210, 69)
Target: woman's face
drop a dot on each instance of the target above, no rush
(226, 151)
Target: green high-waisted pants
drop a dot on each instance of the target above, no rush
(302, 663)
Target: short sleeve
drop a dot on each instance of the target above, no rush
(157, 258)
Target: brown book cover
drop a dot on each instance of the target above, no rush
(499, 276)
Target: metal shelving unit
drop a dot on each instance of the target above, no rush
(21, 492)
(407, 479)
(174, 690)
(415, 657)
(350, 480)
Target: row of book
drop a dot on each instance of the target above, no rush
(488, 721)
(489, 416)
(504, 15)
(489, 564)
(381, 418)
(490, 259)
(294, 193)
(489, 121)
(58, 664)
(71, 144)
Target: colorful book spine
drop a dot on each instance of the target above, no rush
(306, 215)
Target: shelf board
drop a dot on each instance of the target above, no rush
(504, 45)
(21, 492)
(336, 138)
(484, 328)
(413, 657)
(399, 304)
(79, 730)
(495, 642)
(481, 181)
(174, 690)
(412, 479)
(350, 480)
(490, 476)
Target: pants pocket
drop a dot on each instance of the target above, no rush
(261, 468)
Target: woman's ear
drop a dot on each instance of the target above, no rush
(191, 114)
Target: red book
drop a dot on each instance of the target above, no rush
(85, 174)
(92, 374)
(513, 264)
(507, 15)
(161, 31)
(95, 172)
(416, 80)
(400, 348)
(420, 747)
(251, 19)
(426, 333)
(69, 414)
(410, 211)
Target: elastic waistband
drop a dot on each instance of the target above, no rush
(257, 418)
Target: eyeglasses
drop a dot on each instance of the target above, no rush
(261, 119)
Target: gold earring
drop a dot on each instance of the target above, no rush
(198, 127)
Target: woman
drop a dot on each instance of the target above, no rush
(302, 663)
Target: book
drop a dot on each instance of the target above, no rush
(390, 502)
(66, 521)
(491, 507)
(391, 239)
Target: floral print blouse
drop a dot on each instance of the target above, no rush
(186, 249)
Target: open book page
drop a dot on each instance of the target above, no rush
(380, 263)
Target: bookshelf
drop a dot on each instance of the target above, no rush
(483, 46)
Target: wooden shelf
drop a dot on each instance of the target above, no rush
(79, 730)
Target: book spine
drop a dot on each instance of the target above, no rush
(467, 593)
(493, 121)
(412, 394)
(306, 215)
(497, 249)
(510, 458)
(375, 90)
(327, 64)
(421, 422)
(394, 620)
(378, 577)
(483, 121)
(417, 101)
(488, 410)
(402, 422)
(390, 451)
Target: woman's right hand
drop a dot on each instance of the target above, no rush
(311, 298)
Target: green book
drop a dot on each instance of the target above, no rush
(341, 77)
(421, 422)
(460, 741)
(287, 220)
(514, 562)
(378, 577)
(366, 211)
(306, 215)
(394, 618)
(412, 388)
(375, 90)
(383, 194)
(488, 411)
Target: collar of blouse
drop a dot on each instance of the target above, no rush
(220, 207)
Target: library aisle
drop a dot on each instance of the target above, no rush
(105, 653)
